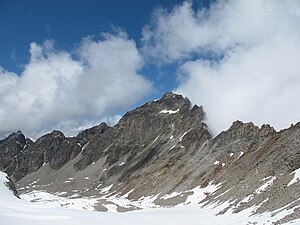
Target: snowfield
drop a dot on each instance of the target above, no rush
(14, 211)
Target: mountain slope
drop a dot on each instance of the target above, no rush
(162, 154)
(15, 211)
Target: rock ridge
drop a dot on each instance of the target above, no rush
(157, 149)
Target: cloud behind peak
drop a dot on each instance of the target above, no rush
(237, 58)
(56, 89)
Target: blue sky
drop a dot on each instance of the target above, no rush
(69, 65)
(67, 22)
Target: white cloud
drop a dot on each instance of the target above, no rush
(55, 89)
(240, 59)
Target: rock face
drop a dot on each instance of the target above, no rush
(28, 156)
(160, 148)
(11, 147)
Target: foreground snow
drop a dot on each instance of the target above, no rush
(15, 211)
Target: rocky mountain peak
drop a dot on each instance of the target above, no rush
(240, 128)
(16, 136)
(55, 134)
(171, 113)
(266, 129)
(169, 103)
(173, 101)
(92, 133)
(142, 129)
(162, 150)
(10, 147)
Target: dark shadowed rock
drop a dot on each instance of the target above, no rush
(28, 156)
(11, 186)
(10, 147)
(93, 133)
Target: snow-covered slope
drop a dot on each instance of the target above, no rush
(5, 193)
(15, 211)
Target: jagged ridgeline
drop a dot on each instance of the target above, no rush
(160, 148)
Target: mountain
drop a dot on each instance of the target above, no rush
(161, 155)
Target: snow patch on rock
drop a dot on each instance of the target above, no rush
(169, 111)
(296, 177)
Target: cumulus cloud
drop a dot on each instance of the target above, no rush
(239, 59)
(58, 90)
